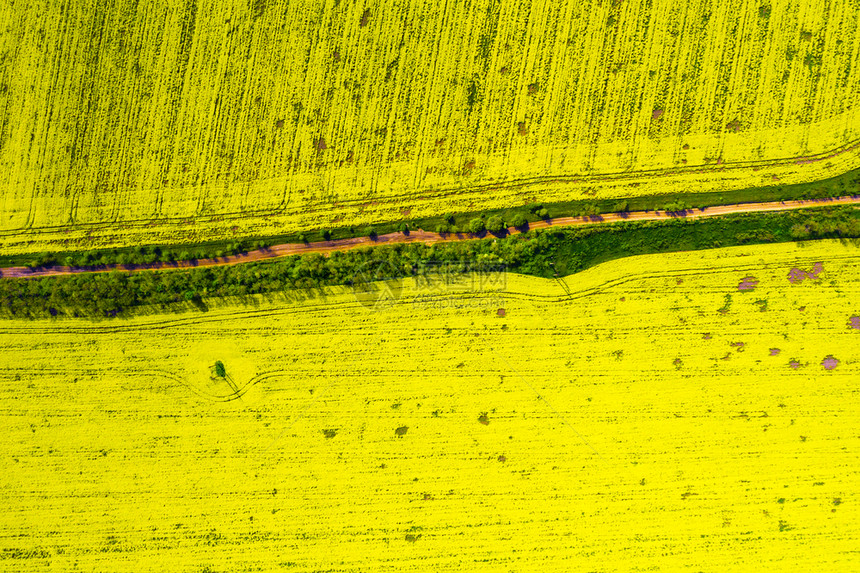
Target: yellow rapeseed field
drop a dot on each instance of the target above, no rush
(664, 412)
(127, 122)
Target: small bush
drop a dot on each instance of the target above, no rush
(590, 209)
(518, 220)
(476, 225)
(543, 213)
(799, 231)
(495, 224)
(675, 206)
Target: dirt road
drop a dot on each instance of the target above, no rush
(428, 237)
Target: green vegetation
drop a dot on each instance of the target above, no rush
(846, 184)
(543, 253)
(220, 370)
(495, 224)
(518, 220)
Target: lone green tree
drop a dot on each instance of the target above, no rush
(518, 220)
(495, 224)
(220, 370)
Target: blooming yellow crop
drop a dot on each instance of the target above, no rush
(693, 410)
(136, 122)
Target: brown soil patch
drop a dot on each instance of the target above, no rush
(829, 362)
(706, 336)
(503, 459)
(320, 144)
(748, 283)
(401, 431)
(774, 351)
(500, 312)
(521, 128)
(854, 322)
(533, 89)
(279, 124)
(794, 364)
(796, 275)
(484, 419)
(365, 18)
(656, 114)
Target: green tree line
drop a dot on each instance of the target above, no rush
(544, 253)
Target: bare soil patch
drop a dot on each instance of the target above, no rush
(797, 276)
